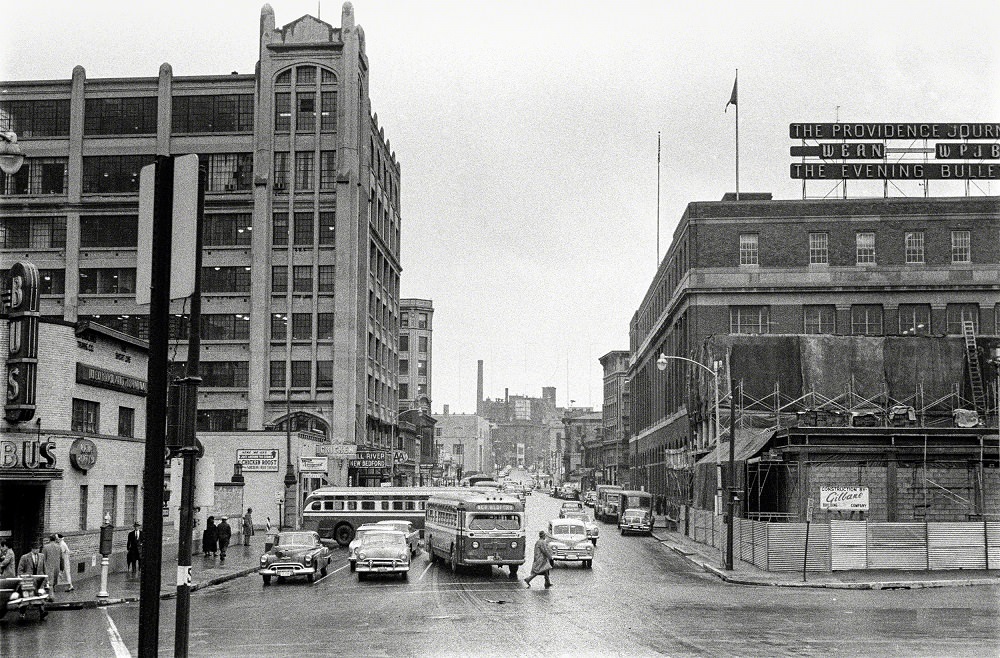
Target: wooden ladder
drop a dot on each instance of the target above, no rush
(975, 374)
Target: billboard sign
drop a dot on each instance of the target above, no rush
(258, 460)
(844, 499)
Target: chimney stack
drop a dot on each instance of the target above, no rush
(479, 389)
(445, 410)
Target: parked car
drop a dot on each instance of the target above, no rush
(636, 520)
(362, 530)
(296, 553)
(593, 531)
(24, 593)
(571, 505)
(383, 552)
(568, 542)
(590, 498)
(405, 527)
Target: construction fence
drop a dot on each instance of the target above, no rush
(836, 545)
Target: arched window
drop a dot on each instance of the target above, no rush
(302, 422)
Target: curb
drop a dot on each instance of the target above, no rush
(873, 585)
(97, 603)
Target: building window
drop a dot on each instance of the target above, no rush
(305, 167)
(84, 506)
(52, 282)
(130, 505)
(421, 389)
(327, 278)
(126, 421)
(748, 249)
(328, 109)
(301, 326)
(280, 171)
(422, 321)
(865, 248)
(225, 374)
(301, 374)
(228, 172)
(120, 116)
(225, 326)
(109, 510)
(279, 279)
(404, 343)
(303, 235)
(915, 319)
(866, 319)
(212, 114)
(324, 374)
(222, 420)
(749, 319)
(279, 229)
(302, 278)
(41, 118)
(279, 326)
(133, 325)
(914, 246)
(404, 319)
(327, 170)
(421, 367)
(225, 279)
(404, 391)
(36, 176)
(109, 231)
(956, 314)
(305, 117)
(32, 232)
(305, 75)
(324, 326)
(282, 112)
(111, 174)
(404, 366)
(327, 221)
(820, 318)
(819, 249)
(107, 281)
(422, 344)
(227, 230)
(961, 247)
(277, 377)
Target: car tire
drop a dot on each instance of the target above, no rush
(42, 613)
(267, 580)
(513, 571)
(354, 566)
(587, 564)
(362, 576)
(322, 571)
(453, 560)
(310, 577)
(281, 579)
(404, 575)
(343, 533)
(622, 531)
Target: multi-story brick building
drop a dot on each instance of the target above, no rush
(612, 450)
(894, 267)
(416, 326)
(467, 440)
(302, 223)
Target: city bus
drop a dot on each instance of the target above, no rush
(606, 505)
(335, 512)
(634, 500)
(470, 528)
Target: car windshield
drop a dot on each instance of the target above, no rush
(382, 539)
(402, 527)
(568, 529)
(295, 539)
(495, 522)
(574, 514)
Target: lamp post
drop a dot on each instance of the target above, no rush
(290, 498)
(661, 364)
(11, 155)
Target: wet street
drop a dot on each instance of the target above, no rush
(639, 599)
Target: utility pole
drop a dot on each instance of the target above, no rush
(731, 480)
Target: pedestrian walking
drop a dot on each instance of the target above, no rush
(52, 553)
(8, 561)
(224, 533)
(64, 563)
(210, 538)
(32, 563)
(542, 562)
(133, 549)
(247, 527)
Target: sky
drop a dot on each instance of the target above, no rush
(527, 135)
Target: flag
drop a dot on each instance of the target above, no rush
(732, 99)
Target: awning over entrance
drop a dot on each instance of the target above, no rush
(30, 474)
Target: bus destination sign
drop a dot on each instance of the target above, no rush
(494, 507)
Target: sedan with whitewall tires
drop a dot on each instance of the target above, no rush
(296, 554)
(568, 542)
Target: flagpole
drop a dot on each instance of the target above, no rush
(736, 86)
(657, 199)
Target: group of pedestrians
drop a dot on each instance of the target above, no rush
(215, 538)
(50, 559)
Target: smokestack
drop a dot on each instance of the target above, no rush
(479, 389)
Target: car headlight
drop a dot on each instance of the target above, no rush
(361, 556)
(41, 591)
(513, 544)
(475, 544)
(263, 559)
(15, 596)
(401, 557)
(308, 559)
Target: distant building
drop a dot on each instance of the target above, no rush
(416, 327)
(583, 439)
(467, 440)
(612, 450)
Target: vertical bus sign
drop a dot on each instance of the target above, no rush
(21, 303)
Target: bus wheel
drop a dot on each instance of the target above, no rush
(513, 571)
(454, 560)
(343, 533)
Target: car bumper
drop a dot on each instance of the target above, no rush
(569, 555)
(636, 527)
(286, 570)
(381, 566)
(492, 560)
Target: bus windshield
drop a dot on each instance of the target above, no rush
(495, 522)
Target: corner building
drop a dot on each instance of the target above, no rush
(301, 270)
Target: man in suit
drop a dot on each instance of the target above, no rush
(133, 549)
(32, 563)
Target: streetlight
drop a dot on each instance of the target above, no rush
(11, 155)
(661, 364)
(290, 478)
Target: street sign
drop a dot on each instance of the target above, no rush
(185, 226)
(809, 510)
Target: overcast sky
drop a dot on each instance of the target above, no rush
(527, 134)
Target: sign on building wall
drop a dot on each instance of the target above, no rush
(313, 464)
(850, 499)
(260, 460)
(20, 301)
(370, 459)
(338, 450)
(101, 378)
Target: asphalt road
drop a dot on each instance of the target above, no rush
(638, 599)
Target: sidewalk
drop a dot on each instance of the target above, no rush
(744, 573)
(205, 571)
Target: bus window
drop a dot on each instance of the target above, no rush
(338, 504)
(367, 504)
(315, 505)
(409, 505)
(397, 504)
(420, 504)
(385, 505)
(328, 505)
(495, 522)
(352, 504)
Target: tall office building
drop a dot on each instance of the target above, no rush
(302, 223)
(416, 323)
